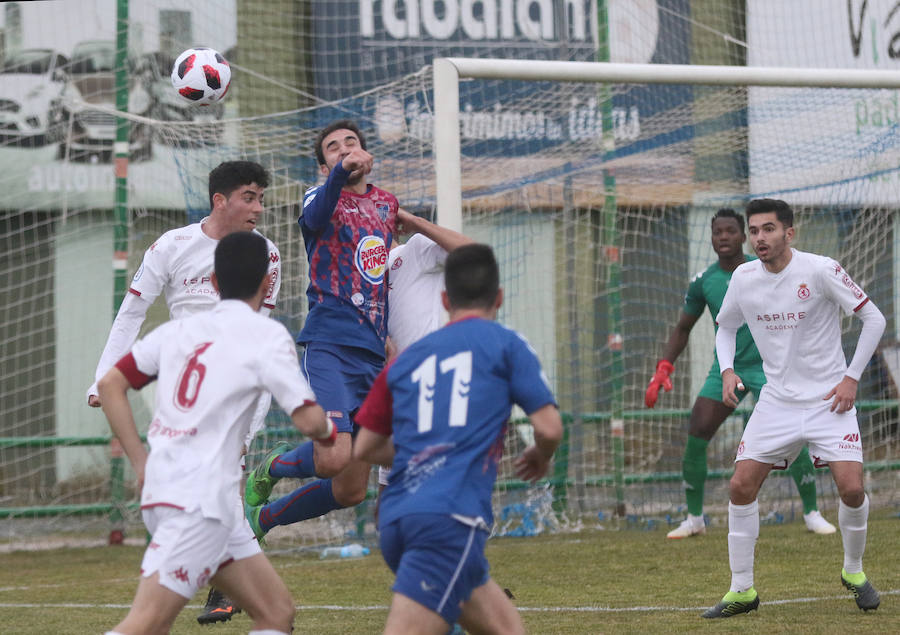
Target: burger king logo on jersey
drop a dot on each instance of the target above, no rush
(371, 258)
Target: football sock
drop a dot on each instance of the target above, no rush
(267, 631)
(853, 522)
(296, 463)
(310, 501)
(693, 469)
(804, 475)
(743, 530)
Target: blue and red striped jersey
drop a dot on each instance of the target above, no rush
(347, 239)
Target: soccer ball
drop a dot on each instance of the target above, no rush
(201, 76)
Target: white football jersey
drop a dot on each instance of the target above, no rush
(211, 369)
(794, 317)
(180, 263)
(415, 282)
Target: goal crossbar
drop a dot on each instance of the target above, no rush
(449, 70)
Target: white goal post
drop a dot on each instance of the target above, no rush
(449, 70)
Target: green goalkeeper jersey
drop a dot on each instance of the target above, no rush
(707, 289)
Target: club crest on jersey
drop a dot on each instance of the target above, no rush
(371, 258)
(803, 291)
(383, 209)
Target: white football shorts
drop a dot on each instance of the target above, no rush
(187, 549)
(776, 432)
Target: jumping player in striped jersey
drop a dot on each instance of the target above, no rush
(211, 368)
(439, 414)
(792, 302)
(348, 226)
(179, 265)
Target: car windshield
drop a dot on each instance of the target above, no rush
(92, 57)
(32, 62)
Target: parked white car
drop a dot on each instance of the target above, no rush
(84, 110)
(30, 80)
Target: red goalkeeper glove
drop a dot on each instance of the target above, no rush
(660, 380)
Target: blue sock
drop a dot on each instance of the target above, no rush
(309, 501)
(298, 463)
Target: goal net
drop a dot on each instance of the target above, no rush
(596, 195)
(597, 184)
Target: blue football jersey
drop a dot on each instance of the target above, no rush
(347, 238)
(447, 400)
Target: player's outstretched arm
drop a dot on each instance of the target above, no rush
(446, 238)
(122, 335)
(534, 461)
(678, 340)
(113, 390)
(310, 419)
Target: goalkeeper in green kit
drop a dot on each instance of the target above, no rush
(707, 289)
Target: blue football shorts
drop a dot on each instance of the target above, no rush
(438, 561)
(340, 376)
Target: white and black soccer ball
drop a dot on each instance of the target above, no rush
(201, 76)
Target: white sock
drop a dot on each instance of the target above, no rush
(112, 633)
(268, 631)
(853, 522)
(743, 530)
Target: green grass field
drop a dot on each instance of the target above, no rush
(595, 581)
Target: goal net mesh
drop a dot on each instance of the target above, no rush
(597, 199)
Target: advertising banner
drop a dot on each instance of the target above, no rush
(808, 146)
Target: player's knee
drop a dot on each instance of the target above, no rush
(280, 610)
(331, 464)
(349, 494)
(741, 490)
(853, 496)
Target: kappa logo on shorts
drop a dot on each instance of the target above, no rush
(180, 574)
(335, 414)
(852, 438)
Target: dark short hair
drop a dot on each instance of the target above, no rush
(226, 177)
(727, 212)
(783, 211)
(340, 124)
(472, 277)
(241, 263)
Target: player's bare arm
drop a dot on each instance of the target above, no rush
(113, 388)
(534, 461)
(447, 238)
(372, 447)
(678, 340)
(730, 383)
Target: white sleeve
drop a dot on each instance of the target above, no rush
(124, 332)
(428, 253)
(839, 286)
(726, 346)
(275, 269)
(869, 336)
